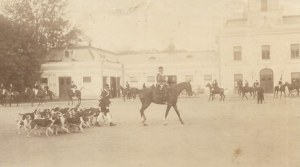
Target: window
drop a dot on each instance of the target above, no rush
(264, 5)
(207, 77)
(237, 53)
(265, 51)
(87, 79)
(44, 81)
(295, 51)
(188, 78)
(133, 79)
(151, 79)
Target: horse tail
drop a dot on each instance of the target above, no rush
(81, 88)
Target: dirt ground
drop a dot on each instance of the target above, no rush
(233, 133)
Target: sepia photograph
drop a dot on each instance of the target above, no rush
(149, 83)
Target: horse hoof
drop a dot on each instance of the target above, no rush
(182, 123)
(145, 124)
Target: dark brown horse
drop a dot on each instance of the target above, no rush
(31, 96)
(129, 93)
(152, 95)
(281, 89)
(77, 94)
(212, 93)
(243, 90)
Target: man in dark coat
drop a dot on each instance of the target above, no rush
(104, 105)
(260, 94)
(160, 78)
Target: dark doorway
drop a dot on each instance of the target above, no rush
(266, 80)
(118, 86)
(113, 86)
(64, 86)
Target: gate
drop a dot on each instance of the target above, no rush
(266, 80)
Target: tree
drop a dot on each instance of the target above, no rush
(47, 18)
(28, 29)
(20, 61)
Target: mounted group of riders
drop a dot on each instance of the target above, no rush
(10, 93)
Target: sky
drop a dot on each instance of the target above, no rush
(122, 25)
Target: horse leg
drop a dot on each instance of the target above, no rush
(142, 110)
(178, 114)
(166, 114)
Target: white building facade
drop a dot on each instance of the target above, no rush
(262, 46)
(88, 67)
(179, 66)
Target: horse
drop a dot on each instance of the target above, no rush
(8, 97)
(129, 92)
(212, 92)
(153, 95)
(244, 90)
(77, 94)
(30, 94)
(279, 88)
(292, 87)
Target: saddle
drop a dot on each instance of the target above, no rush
(161, 94)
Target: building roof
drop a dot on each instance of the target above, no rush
(80, 53)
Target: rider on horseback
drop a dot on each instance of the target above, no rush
(280, 82)
(215, 85)
(160, 78)
(127, 85)
(36, 88)
(73, 87)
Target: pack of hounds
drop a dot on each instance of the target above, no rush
(60, 120)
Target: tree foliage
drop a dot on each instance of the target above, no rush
(28, 29)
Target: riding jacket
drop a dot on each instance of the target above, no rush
(104, 99)
(160, 79)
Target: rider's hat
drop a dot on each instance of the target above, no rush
(160, 68)
(106, 85)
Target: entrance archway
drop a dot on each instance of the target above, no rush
(267, 80)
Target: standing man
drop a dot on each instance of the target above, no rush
(160, 78)
(104, 105)
(260, 94)
(127, 85)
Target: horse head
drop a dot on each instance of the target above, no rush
(188, 88)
